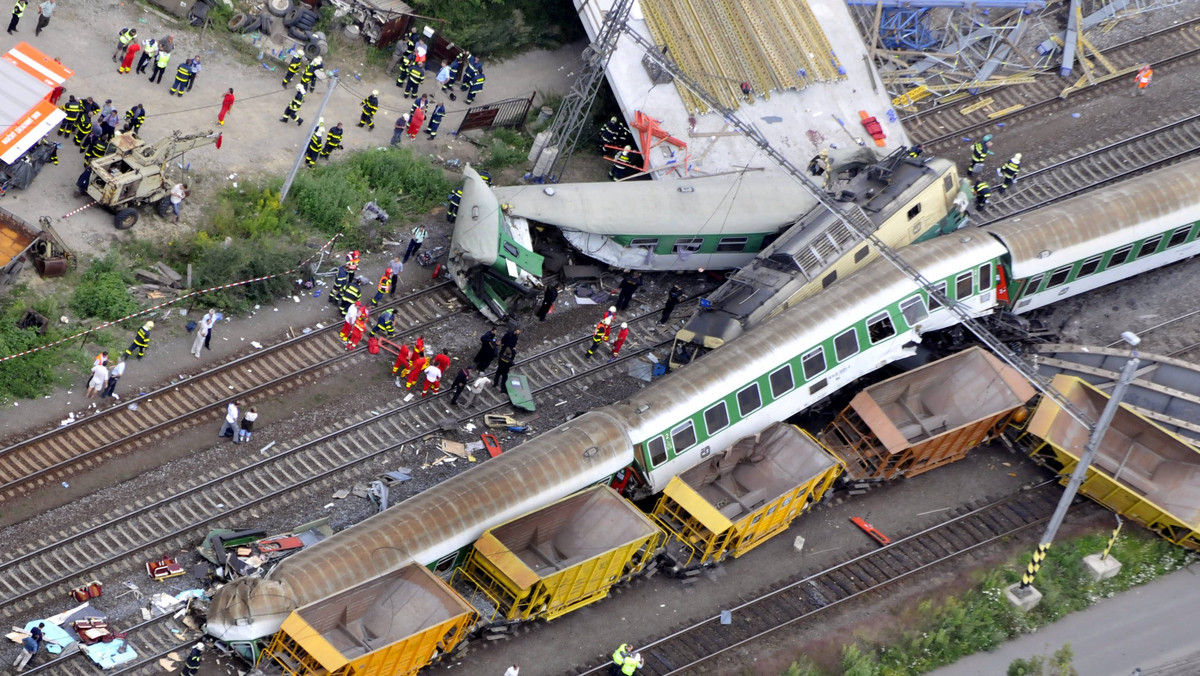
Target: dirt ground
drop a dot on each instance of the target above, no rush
(254, 142)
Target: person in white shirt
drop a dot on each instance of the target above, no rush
(203, 327)
(248, 424)
(433, 379)
(230, 428)
(178, 192)
(98, 382)
(474, 389)
(114, 375)
(419, 234)
(514, 670)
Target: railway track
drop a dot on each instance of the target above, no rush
(117, 544)
(807, 597)
(152, 418)
(1177, 45)
(1105, 162)
(152, 639)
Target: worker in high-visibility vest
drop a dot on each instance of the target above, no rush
(1144, 75)
(618, 658)
(1009, 172)
(384, 287)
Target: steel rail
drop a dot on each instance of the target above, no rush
(1111, 155)
(13, 592)
(1052, 96)
(12, 482)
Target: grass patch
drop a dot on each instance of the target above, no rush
(982, 618)
(103, 291)
(33, 375)
(506, 148)
(502, 28)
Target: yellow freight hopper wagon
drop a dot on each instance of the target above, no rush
(928, 417)
(389, 626)
(561, 557)
(743, 496)
(1141, 471)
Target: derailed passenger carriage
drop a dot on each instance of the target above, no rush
(1140, 470)
(785, 365)
(905, 199)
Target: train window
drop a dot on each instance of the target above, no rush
(861, 254)
(934, 303)
(962, 286)
(1089, 266)
(814, 363)
(1058, 277)
(985, 277)
(658, 451)
(913, 310)
(916, 209)
(683, 437)
(688, 244)
(1178, 237)
(846, 345)
(781, 382)
(829, 279)
(748, 400)
(716, 418)
(880, 327)
(1120, 256)
(644, 242)
(732, 244)
(1034, 284)
(1148, 247)
(445, 563)
(948, 183)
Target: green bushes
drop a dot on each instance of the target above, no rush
(330, 197)
(103, 291)
(500, 28)
(33, 375)
(507, 148)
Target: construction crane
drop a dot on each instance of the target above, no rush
(853, 217)
(573, 111)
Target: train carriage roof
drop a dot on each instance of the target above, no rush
(744, 203)
(1073, 229)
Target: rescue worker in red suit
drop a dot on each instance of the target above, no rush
(442, 361)
(348, 325)
(433, 380)
(360, 327)
(384, 288)
(621, 336)
(414, 370)
(419, 347)
(401, 360)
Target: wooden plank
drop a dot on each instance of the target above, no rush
(978, 105)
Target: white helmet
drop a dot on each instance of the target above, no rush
(320, 121)
(1017, 158)
(300, 88)
(317, 61)
(624, 325)
(374, 92)
(612, 308)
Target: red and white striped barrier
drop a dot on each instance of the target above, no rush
(94, 203)
(171, 302)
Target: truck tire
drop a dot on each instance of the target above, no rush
(312, 50)
(308, 19)
(299, 33)
(252, 25)
(267, 24)
(163, 207)
(293, 16)
(280, 7)
(125, 219)
(237, 21)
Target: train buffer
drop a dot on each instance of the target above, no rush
(870, 530)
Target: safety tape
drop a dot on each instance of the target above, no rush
(325, 246)
(94, 203)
